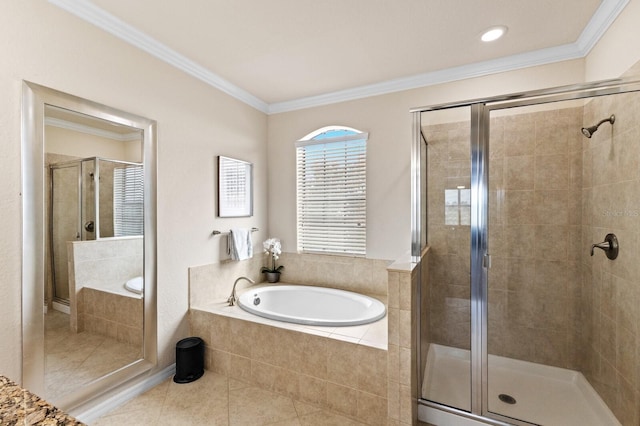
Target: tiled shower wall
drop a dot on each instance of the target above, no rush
(610, 333)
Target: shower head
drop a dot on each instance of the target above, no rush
(589, 131)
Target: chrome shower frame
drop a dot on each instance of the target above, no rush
(481, 109)
(95, 175)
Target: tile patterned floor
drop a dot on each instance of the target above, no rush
(216, 400)
(73, 359)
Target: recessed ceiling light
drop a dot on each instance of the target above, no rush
(493, 33)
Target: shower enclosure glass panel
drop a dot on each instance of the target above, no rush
(551, 332)
(535, 175)
(74, 202)
(447, 305)
(65, 206)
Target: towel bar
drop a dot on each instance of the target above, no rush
(215, 232)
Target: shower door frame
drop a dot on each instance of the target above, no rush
(480, 255)
(77, 164)
(81, 231)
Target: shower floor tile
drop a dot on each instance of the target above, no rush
(543, 394)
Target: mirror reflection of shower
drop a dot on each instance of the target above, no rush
(78, 189)
(589, 131)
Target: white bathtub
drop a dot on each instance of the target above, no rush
(113, 286)
(310, 305)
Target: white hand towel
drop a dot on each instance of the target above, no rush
(240, 245)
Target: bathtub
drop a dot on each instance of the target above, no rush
(310, 305)
(117, 287)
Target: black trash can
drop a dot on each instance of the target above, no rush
(189, 360)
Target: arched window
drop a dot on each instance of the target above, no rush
(331, 168)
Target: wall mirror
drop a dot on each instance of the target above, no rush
(235, 187)
(89, 253)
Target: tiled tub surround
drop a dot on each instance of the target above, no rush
(208, 283)
(341, 372)
(113, 315)
(330, 368)
(98, 301)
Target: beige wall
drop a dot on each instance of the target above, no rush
(618, 49)
(388, 121)
(77, 144)
(46, 45)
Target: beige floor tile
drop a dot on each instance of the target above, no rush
(73, 359)
(153, 400)
(254, 406)
(237, 384)
(302, 408)
(325, 418)
(289, 422)
(216, 400)
(138, 418)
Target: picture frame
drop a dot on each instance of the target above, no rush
(235, 187)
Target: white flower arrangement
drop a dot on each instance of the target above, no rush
(273, 248)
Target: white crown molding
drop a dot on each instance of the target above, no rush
(606, 13)
(604, 16)
(478, 69)
(91, 13)
(76, 127)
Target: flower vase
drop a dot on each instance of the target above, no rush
(272, 277)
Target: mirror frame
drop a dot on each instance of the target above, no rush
(34, 99)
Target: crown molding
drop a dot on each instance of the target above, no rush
(604, 16)
(92, 14)
(606, 13)
(76, 127)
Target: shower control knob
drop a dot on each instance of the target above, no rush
(609, 246)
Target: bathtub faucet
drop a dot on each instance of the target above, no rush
(232, 299)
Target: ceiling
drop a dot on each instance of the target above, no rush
(280, 55)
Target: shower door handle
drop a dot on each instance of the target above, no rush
(89, 226)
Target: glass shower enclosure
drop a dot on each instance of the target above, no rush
(77, 190)
(525, 314)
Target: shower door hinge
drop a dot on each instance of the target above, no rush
(486, 261)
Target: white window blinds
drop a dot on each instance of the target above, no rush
(331, 190)
(128, 201)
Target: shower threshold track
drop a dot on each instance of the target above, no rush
(543, 395)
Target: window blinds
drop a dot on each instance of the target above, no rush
(331, 190)
(128, 201)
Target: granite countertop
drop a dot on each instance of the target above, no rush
(20, 407)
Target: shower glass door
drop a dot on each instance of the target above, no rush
(562, 322)
(445, 364)
(535, 215)
(65, 223)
